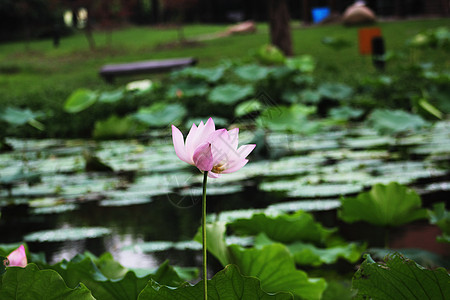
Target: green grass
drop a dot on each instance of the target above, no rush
(40, 77)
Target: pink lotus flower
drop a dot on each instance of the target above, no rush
(214, 151)
(18, 258)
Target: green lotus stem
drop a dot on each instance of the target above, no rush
(205, 269)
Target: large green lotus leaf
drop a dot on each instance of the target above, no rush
(272, 264)
(108, 279)
(345, 113)
(230, 93)
(304, 63)
(337, 91)
(114, 127)
(66, 234)
(161, 114)
(30, 283)
(247, 107)
(252, 72)
(385, 205)
(111, 96)
(293, 118)
(79, 100)
(308, 254)
(16, 116)
(209, 74)
(275, 267)
(188, 89)
(227, 284)
(399, 278)
(284, 228)
(395, 121)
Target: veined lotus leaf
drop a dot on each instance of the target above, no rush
(441, 217)
(395, 121)
(32, 283)
(252, 72)
(161, 114)
(227, 284)
(230, 93)
(399, 278)
(284, 228)
(79, 100)
(384, 205)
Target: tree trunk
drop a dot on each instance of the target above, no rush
(280, 27)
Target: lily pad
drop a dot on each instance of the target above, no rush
(293, 119)
(230, 93)
(385, 205)
(303, 63)
(17, 117)
(337, 91)
(66, 234)
(187, 89)
(395, 121)
(111, 96)
(306, 205)
(247, 107)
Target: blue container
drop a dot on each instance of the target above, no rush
(320, 13)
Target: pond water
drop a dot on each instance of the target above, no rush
(147, 210)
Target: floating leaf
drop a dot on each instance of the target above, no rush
(227, 284)
(385, 205)
(230, 93)
(67, 234)
(400, 278)
(252, 72)
(299, 226)
(441, 217)
(32, 283)
(337, 91)
(161, 114)
(304, 63)
(395, 121)
(79, 100)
